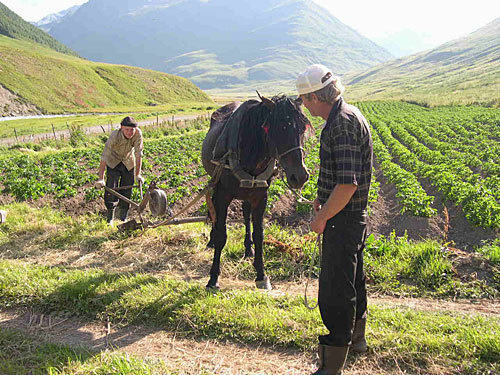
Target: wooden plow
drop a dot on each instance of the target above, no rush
(156, 200)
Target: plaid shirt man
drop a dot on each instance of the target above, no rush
(346, 155)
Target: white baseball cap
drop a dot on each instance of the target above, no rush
(312, 79)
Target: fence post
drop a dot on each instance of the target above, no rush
(15, 132)
(54, 131)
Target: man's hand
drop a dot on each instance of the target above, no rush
(318, 225)
(100, 184)
(139, 179)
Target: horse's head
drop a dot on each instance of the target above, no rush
(285, 127)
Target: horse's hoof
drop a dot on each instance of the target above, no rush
(249, 254)
(264, 283)
(212, 288)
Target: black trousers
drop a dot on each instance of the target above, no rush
(115, 177)
(342, 281)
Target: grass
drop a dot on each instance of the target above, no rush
(28, 355)
(394, 265)
(451, 339)
(70, 84)
(491, 251)
(44, 125)
(79, 139)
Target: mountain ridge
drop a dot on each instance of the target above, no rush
(47, 22)
(462, 71)
(13, 26)
(218, 43)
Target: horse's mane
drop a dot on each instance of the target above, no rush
(252, 135)
(286, 112)
(252, 140)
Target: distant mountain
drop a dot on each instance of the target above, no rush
(47, 22)
(405, 42)
(217, 43)
(13, 26)
(465, 70)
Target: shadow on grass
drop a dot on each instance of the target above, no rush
(22, 354)
(114, 300)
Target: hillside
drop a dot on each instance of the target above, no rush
(59, 83)
(466, 70)
(13, 26)
(219, 43)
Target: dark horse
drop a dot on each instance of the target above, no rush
(267, 131)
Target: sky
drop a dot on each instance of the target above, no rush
(435, 21)
(439, 20)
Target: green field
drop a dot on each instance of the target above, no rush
(58, 256)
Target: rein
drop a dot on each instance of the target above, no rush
(317, 243)
(287, 152)
(309, 274)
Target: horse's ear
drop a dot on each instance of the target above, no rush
(267, 102)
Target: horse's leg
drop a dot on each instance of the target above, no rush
(210, 243)
(248, 240)
(218, 235)
(262, 281)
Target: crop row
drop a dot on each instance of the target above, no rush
(478, 203)
(413, 196)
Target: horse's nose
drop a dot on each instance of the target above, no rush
(297, 180)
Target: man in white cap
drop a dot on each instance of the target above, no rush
(122, 161)
(346, 155)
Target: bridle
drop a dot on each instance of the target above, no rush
(279, 156)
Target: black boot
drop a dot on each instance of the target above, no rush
(110, 215)
(358, 337)
(122, 213)
(331, 359)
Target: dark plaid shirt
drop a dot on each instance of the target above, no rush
(346, 155)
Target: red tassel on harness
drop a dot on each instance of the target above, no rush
(266, 129)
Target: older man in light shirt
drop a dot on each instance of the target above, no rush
(122, 161)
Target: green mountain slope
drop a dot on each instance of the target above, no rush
(465, 71)
(58, 83)
(217, 43)
(15, 27)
